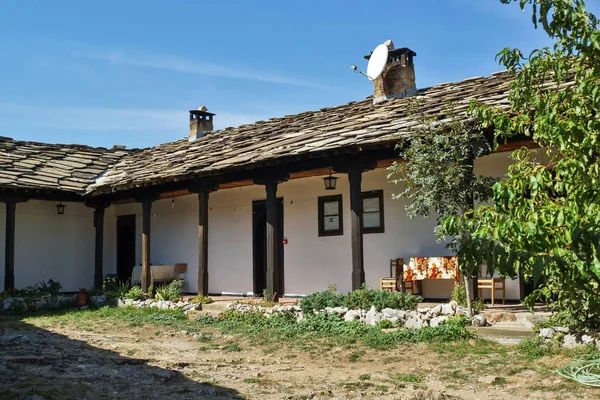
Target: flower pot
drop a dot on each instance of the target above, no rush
(81, 299)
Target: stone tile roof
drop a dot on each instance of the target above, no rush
(71, 168)
(357, 124)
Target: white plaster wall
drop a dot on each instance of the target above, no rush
(311, 262)
(52, 246)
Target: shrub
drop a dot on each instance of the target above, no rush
(117, 290)
(170, 292)
(135, 293)
(201, 300)
(42, 288)
(320, 300)
(363, 298)
(459, 295)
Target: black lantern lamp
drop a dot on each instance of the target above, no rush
(60, 208)
(330, 182)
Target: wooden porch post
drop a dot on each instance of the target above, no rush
(99, 206)
(356, 221)
(146, 240)
(271, 180)
(99, 250)
(203, 242)
(146, 201)
(272, 247)
(9, 251)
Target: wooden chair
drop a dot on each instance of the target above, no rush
(395, 281)
(493, 284)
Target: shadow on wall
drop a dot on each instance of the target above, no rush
(39, 364)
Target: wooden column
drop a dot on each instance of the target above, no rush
(356, 221)
(203, 242)
(9, 249)
(146, 241)
(271, 179)
(273, 287)
(99, 250)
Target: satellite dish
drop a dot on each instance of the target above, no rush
(377, 61)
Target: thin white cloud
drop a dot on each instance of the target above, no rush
(169, 62)
(172, 122)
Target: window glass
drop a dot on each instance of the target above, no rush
(372, 220)
(331, 208)
(331, 223)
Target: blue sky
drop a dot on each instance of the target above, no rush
(127, 72)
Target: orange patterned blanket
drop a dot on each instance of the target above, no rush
(420, 268)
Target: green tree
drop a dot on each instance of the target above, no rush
(437, 174)
(545, 218)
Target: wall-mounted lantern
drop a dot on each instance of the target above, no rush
(60, 208)
(330, 182)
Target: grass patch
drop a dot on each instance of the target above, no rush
(407, 378)
(253, 380)
(499, 381)
(355, 355)
(364, 377)
(233, 348)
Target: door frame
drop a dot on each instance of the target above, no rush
(278, 239)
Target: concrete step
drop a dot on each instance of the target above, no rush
(219, 306)
(504, 330)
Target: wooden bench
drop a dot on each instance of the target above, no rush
(160, 273)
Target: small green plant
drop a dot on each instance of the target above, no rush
(407, 378)
(233, 348)
(499, 381)
(252, 380)
(42, 288)
(459, 295)
(479, 305)
(364, 377)
(135, 293)
(118, 290)
(201, 300)
(355, 355)
(170, 292)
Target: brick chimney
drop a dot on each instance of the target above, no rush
(398, 76)
(201, 122)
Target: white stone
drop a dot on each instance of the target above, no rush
(561, 329)
(352, 315)
(414, 323)
(448, 309)
(373, 317)
(547, 333)
(423, 310)
(479, 320)
(461, 310)
(587, 339)
(437, 310)
(570, 341)
(389, 313)
(338, 310)
(436, 321)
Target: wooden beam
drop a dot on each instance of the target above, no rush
(356, 221)
(9, 250)
(99, 250)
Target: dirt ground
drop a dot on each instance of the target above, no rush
(51, 359)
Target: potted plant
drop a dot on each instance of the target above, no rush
(82, 298)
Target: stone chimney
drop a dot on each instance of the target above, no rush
(398, 76)
(201, 122)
